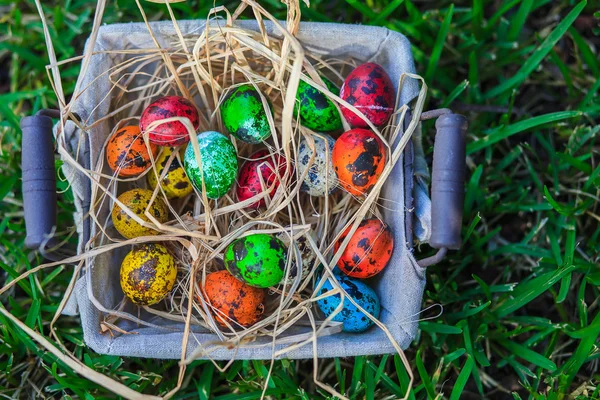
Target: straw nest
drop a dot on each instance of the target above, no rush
(205, 68)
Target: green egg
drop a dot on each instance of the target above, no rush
(218, 167)
(259, 260)
(244, 116)
(317, 111)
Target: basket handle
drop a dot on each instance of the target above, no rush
(447, 183)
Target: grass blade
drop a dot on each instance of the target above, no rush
(519, 19)
(462, 379)
(528, 355)
(438, 46)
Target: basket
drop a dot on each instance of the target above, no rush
(400, 286)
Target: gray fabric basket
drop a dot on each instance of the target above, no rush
(400, 286)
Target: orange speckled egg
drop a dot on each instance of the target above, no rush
(137, 200)
(234, 301)
(148, 273)
(358, 160)
(126, 152)
(369, 249)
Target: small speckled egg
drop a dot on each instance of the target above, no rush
(369, 250)
(175, 182)
(260, 166)
(309, 258)
(352, 318)
(358, 160)
(369, 89)
(259, 260)
(137, 200)
(244, 116)
(320, 179)
(126, 152)
(169, 133)
(317, 111)
(233, 300)
(219, 164)
(148, 273)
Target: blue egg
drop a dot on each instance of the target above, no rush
(354, 320)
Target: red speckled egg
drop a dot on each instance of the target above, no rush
(169, 133)
(358, 160)
(261, 165)
(234, 301)
(369, 89)
(369, 249)
(127, 153)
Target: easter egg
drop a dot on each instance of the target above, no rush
(259, 260)
(352, 318)
(317, 111)
(175, 182)
(234, 301)
(127, 153)
(368, 88)
(244, 116)
(148, 273)
(369, 250)
(260, 167)
(137, 200)
(218, 166)
(172, 133)
(320, 179)
(358, 160)
(308, 256)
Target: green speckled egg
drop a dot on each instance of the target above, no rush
(244, 116)
(259, 260)
(317, 111)
(218, 165)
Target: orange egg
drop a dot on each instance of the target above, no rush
(233, 300)
(126, 152)
(369, 249)
(358, 160)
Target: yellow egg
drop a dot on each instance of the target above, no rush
(137, 200)
(175, 183)
(148, 273)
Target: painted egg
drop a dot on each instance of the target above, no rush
(175, 182)
(219, 164)
(369, 89)
(233, 301)
(244, 116)
(127, 153)
(137, 200)
(309, 258)
(358, 160)
(317, 111)
(352, 318)
(260, 167)
(259, 260)
(320, 179)
(369, 250)
(172, 133)
(148, 273)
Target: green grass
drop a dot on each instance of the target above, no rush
(521, 314)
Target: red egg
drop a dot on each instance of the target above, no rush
(261, 165)
(369, 89)
(172, 133)
(369, 249)
(358, 160)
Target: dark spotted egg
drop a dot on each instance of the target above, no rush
(172, 133)
(261, 169)
(127, 153)
(244, 115)
(137, 201)
(317, 111)
(320, 179)
(148, 274)
(369, 250)
(308, 256)
(358, 160)
(368, 88)
(233, 302)
(352, 318)
(174, 181)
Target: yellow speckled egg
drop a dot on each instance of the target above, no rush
(137, 200)
(148, 273)
(175, 182)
